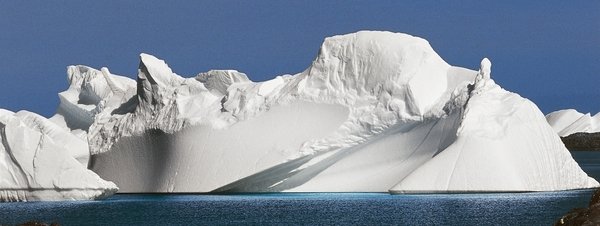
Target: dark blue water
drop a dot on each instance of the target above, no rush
(589, 162)
(541, 208)
(537, 208)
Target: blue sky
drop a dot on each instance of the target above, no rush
(548, 52)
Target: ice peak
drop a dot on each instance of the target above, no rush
(486, 68)
(483, 78)
(379, 62)
(154, 75)
(154, 69)
(156, 64)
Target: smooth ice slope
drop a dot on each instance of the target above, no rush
(375, 111)
(570, 121)
(41, 161)
(493, 151)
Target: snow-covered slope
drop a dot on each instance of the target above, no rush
(375, 111)
(41, 161)
(569, 121)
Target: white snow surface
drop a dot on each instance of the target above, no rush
(374, 112)
(41, 161)
(570, 121)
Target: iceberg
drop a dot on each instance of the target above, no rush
(41, 161)
(375, 112)
(570, 121)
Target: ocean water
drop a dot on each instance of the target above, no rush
(535, 208)
(589, 162)
(539, 208)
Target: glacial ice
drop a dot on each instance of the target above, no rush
(41, 161)
(570, 121)
(499, 139)
(374, 112)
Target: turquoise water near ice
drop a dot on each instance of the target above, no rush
(535, 208)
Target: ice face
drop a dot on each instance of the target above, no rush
(41, 161)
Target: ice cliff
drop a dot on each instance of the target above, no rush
(570, 121)
(375, 111)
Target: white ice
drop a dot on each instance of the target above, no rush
(569, 121)
(375, 111)
(41, 161)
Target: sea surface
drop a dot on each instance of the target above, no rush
(589, 162)
(534, 208)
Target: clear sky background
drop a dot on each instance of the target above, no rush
(547, 51)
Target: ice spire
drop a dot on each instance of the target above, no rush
(486, 68)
